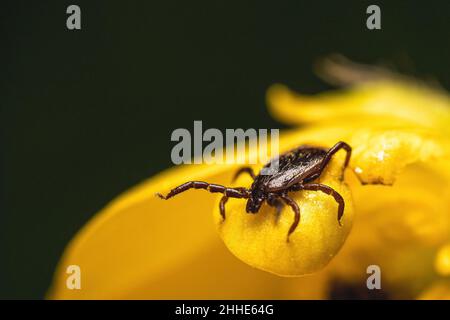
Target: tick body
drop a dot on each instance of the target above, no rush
(297, 170)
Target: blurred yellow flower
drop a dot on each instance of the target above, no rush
(397, 214)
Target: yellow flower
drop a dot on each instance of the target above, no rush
(397, 215)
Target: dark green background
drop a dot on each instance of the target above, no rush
(87, 114)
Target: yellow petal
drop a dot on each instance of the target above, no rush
(398, 228)
(139, 239)
(366, 104)
(380, 154)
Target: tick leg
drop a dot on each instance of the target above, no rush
(290, 202)
(279, 206)
(213, 188)
(330, 191)
(222, 203)
(242, 170)
(338, 146)
(274, 201)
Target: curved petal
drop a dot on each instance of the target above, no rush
(367, 104)
(398, 228)
(139, 236)
(380, 154)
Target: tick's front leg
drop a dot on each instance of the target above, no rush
(290, 202)
(237, 192)
(330, 191)
(338, 146)
(273, 200)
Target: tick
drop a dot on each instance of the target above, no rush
(297, 169)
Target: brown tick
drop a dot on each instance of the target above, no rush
(296, 171)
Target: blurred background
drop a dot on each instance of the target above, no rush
(87, 114)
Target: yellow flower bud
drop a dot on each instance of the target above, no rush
(261, 239)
